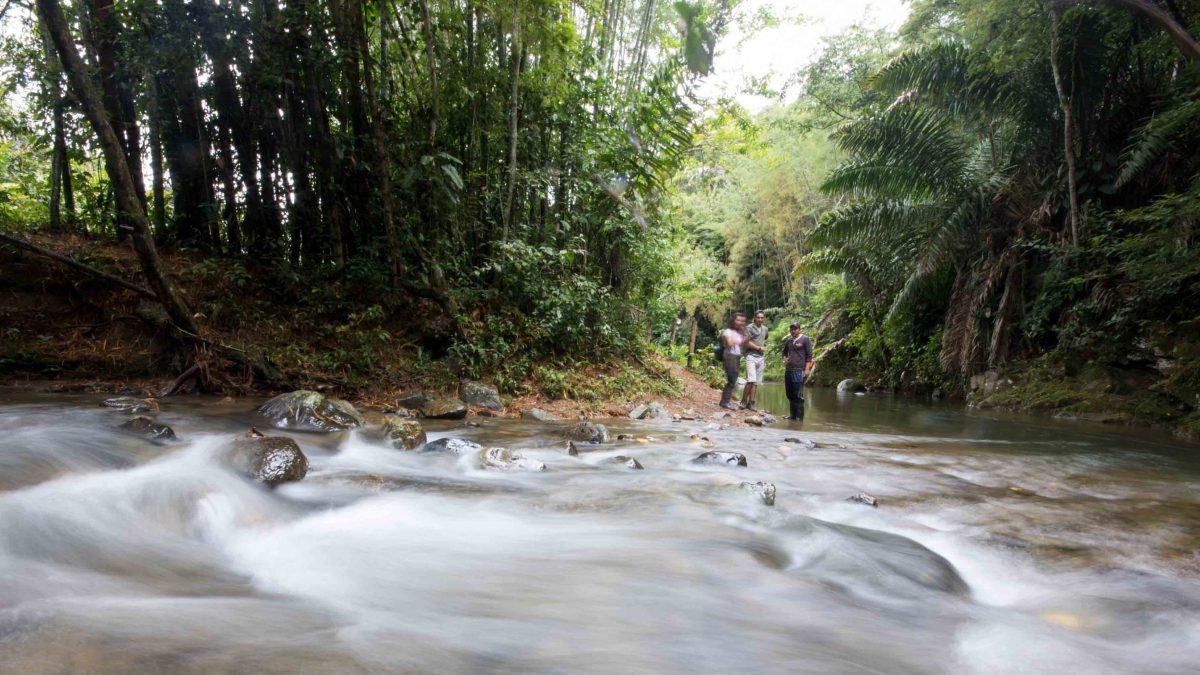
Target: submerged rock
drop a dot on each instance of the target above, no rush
(864, 562)
(622, 460)
(764, 491)
(450, 408)
(131, 405)
(270, 460)
(403, 434)
(849, 386)
(144, 426)
(480, 394)
(809, 445)
(588, 432)
(720, 457)
(452, 446)
(503, 459)
(310, 411)
(539, 415)
(572, 449)
(863, 498)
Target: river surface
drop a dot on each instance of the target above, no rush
(999, 545)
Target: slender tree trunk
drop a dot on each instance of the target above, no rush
(431, 57)
(117, 165)
(57, 165)
(514, 108)
(159, 200)
(1069, 143)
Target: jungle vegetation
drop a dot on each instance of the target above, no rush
(997, 185)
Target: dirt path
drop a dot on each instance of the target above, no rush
(698, 399)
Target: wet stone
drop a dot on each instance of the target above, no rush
(403, 434)
(765, 492)
(311, 411)
(754, 421)
(452, 446)
(144, 426)
(622, 460)
(414, 400)
(270, 460)
(131, 405)
(539, 415)
(480, 394)
(445, 409)
(588, 432)
(721, 458)
(503, 459)
(849, 386)
(800, 441)
(863, 498)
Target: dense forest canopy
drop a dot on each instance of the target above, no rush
(996, 182)
(504, 161)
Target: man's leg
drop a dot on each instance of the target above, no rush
(732, 366)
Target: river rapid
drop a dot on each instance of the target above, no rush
(999, 545)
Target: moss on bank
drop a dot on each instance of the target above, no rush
(1098, 393)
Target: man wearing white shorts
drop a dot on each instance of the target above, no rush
(755, 348)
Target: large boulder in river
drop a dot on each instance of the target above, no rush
(445, 409)
(849, 386)
(503, 459)
(131, 405)
(310, 411)
(144, 426)
(402, 433)
(721, 458)
(480, 394)
(588, 432)
(452, 446)
(270, 460)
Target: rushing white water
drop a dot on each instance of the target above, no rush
(1000, 545)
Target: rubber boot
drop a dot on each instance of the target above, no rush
(797, 408)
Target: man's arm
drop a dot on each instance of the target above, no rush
(811, 362)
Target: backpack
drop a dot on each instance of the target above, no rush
(718, 350)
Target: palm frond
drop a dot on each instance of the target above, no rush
(1156, 137)
(951, 76)
(871, 221)
(921, 149)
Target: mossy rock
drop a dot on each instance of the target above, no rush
(403, 433)
(311, 411)
(588, 432)
(445, 409)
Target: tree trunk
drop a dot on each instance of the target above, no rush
(116, 163)
(57, 164)
(1163, 20)
(1065, 104)
(159, 201)
(692, 343)
(514, 107)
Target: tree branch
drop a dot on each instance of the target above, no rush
(70, 262)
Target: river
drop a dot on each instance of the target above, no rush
(1000, 544)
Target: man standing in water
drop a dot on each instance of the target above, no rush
(732, 339)
(756, 359)
(798, 358)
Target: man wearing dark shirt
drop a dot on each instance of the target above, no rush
(798, 363)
